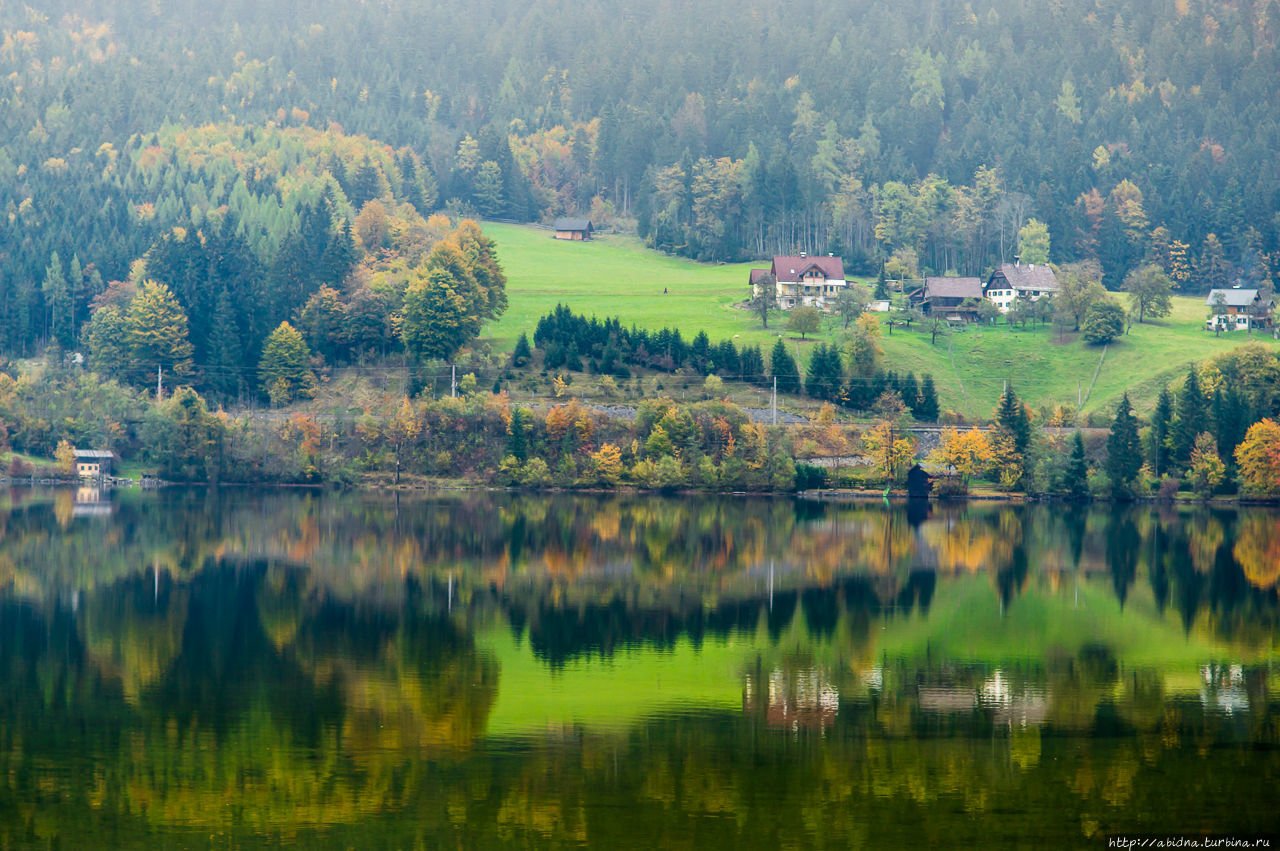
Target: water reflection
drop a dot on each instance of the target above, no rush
(480, 669)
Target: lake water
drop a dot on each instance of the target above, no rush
(200, 669)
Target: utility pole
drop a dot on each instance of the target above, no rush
(159, 386)
(775, 400)
(453, 381)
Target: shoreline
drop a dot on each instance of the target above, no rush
(897, 495)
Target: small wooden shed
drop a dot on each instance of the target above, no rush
(919, 483)
(94, 463)
(578, 230)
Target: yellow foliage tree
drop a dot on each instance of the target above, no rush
(889, 448)
(606, 464)
(66, 457)
(967, 453)
(1258, 459)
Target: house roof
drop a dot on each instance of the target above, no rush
(952, 288)
(1028, 276)
(792, 268)
(757, 274)
(573, 224)
(1233, 297)
(94, 454)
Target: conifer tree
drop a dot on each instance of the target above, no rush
(928, 400)
(284, 371)
(1012, 416)
(783, 367)
(1158, 451)
(1124, 452)
(522, 353)
(752, 363)
(156, 334)
(1077, 475)
(1191, 419)
(822, 379)
(226, 349)
(58, 297)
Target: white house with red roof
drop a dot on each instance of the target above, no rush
(802, 280)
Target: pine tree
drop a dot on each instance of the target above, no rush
(1124, 451)
(284, 371)
(1077, 475)
(522, 353)
(226, 349)
(753, 365)
(518, 440)
(1012, 416)
(1231, 421)
(156, 334)
(909, 389)
(822, 380)
(1158, 441)
(57, 296)
(928, 400)
(1191, 419)
(783, 368)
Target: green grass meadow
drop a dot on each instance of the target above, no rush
(616, 275)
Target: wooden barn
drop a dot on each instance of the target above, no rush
(578, 230)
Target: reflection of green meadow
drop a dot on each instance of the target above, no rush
(964, 626)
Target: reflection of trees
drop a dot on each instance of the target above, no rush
(1257, 550)
(182, 698)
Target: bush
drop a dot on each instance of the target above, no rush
(810, 477)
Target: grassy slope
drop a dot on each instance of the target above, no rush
(617, 275)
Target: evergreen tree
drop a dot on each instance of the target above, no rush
(57, 296)
(753, 365)
(1077, 474)
(1158, 451)
(700, 353)
(284, 371)
(1012, 417)
(928, 400)
(1231, 421)
(1191, 419)
(107, 337)
(822, 379)
(909, 390)
(156, 334)
(522, 353)
(518, 440)
(783, 368)
(1124, 451)
(225, 372)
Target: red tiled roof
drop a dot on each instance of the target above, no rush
(787, 268)
(757, 274)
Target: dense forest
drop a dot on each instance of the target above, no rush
(927, 134)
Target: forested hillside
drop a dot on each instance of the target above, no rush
(930, 132)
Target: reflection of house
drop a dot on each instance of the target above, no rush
(803, 280)
(793, 699)
(1238, 310)
(93, 463)
(577, 230)
(945, 297)
(91, 502)
(1014, 281)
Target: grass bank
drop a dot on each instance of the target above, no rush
(616, 275)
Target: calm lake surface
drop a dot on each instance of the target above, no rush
(195, 669)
